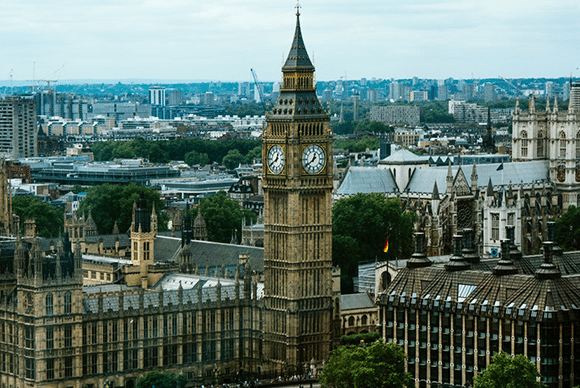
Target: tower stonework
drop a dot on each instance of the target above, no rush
(297, 182)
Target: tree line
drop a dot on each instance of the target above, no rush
(178, 149)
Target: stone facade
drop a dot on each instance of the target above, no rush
(297, 183)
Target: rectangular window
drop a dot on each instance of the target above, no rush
(68, 336)
(30, 370)
(494, 226)
(68, 367)
(29, 337)
(67, 303)
(50, 369)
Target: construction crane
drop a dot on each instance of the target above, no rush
(259, 87)
(512, 85)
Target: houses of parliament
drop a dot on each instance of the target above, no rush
(70, 317)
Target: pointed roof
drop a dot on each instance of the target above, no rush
(435, 194)
(489, 188)
(298, 58)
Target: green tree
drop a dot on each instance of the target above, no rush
(254, 153)
(49, 220)
(112, 204)
(223, 217)
(369, 219)
(194, 157)
(509, 372)
(232, 159)
(378, 365)
(156, 379)
(568, 229)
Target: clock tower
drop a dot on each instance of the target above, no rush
(297, 182)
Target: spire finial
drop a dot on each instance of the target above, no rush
(298, 6)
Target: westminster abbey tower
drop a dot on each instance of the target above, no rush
(297, 157)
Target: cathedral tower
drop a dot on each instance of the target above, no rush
(297, 181)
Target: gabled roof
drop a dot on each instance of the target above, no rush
(207, 253)
(356, 301)
(367, 180)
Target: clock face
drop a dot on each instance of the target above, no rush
(276, 159)
(313, 159)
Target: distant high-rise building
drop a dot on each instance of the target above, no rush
(575, 96)
(566, 91)
(244, 89)
(174, 97)
(372, 95)
(443, 93)
(157, 95)
(208, 98)
(550, 89)
(18, 122)
(489, 93)
(468, 91)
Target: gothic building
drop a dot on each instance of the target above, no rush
(451, 318)
(297, 183)
(553, 136)
(156, 312)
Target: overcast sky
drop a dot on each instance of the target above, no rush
(223, 39)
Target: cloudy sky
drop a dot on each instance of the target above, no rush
(223, 39)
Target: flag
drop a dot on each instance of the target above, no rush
(386, 246)
(500, 167)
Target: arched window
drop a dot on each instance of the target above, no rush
(562, 144)
(67, 303)
(578, 145)
(363, 320)
(540, 145)
(351, 321)
(524, 146)
(49, 305)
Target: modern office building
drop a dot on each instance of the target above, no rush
(157, 95)
(18, 127)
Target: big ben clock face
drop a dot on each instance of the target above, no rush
(276, 159)
(313, 159)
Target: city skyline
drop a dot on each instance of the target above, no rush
(221, 41)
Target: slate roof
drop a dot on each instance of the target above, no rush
(423, 180)
(356, 301)
(522, 296)
(109, 240)
(207, 253)
(367, 180)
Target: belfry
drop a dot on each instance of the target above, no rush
(297, 181)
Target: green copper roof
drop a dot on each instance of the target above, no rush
(298, 56)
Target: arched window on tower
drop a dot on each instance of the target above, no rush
(524, 146)
(540, 146)
(562, 144)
